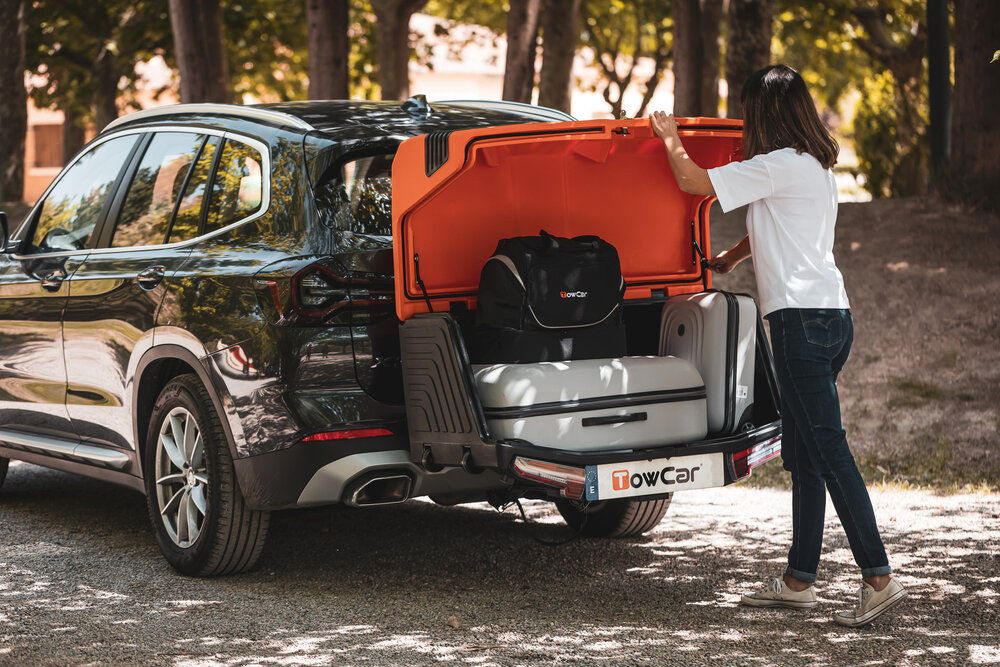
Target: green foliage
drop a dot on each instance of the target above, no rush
(618, 34)
(816, 39)
(893, 165)
(492, 15)
(66, 37)
(266, 45)
(875, 133)
(843, 46)
(363, 58)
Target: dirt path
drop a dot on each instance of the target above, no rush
(81, 582)
(921, 392)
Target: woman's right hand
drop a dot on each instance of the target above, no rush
(664, 125)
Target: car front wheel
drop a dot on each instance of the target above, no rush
(200, 520)
(3, 469)
(614, 518)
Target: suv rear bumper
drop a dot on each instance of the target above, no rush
(574, 475)
(319, 473)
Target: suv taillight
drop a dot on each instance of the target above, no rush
(748, 459)
(568, 479)
(316, 295)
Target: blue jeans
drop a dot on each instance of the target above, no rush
(810, 347)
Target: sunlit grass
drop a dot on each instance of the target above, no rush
(914, 471)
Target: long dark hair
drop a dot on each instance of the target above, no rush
(779, 112)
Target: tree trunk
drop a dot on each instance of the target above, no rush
(201, 56)
(709, 22)
(328, 21)
(939, 81)
(106, 91)
(560, 36)
(748, 48)
(14, 97)
(687, 58)
(975, 132)
(74, 135)
(696, 57)
(392, 18)
(522, 38)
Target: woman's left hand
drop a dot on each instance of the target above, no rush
(663, 125)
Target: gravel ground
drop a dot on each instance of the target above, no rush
(81, 581)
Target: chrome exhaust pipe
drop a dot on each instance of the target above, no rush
(386, 488)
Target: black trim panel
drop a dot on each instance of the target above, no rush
(275, 480)
(435, 151)
(87, 470)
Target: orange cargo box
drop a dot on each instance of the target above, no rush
(455, 194)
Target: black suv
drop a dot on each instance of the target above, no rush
(202, 307)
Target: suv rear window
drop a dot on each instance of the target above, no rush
(237, 187)
(359, 198)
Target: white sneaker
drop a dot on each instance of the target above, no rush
(780, 595)
(871, 604)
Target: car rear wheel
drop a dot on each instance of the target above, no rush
(614, 518)
(3, 469)
(200, 520)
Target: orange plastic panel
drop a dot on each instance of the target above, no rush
(609, 178)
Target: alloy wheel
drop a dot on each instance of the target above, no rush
(181, 477)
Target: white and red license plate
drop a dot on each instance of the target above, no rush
(656, 477)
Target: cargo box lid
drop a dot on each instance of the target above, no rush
(455, 194)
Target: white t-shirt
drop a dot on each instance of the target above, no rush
(791, 219)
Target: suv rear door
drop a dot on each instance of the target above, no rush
(115, 292)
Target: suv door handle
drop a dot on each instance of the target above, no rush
(149, 278)
(53, 281)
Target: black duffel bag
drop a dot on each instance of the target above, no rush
(547, 298)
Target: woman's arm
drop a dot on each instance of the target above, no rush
(726, 261)
(690, 177)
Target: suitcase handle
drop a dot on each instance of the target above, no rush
(614, 419)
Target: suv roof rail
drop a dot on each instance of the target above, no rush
(544, 113)
(253, 113)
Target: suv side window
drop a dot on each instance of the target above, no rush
(237, 187)
(154, 189)
(360, 200)
(73, 207)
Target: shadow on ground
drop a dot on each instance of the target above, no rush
(81, 581)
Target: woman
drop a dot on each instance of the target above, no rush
(786, 179)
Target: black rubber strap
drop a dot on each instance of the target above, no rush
(552, 543)
(420, 283)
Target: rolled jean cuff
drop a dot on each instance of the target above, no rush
(869, 572)
(802, 576)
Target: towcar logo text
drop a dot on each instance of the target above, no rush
(573, 295)
(621, 479)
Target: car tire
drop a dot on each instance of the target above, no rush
(3, 469)
(614, 518)
(199, 516)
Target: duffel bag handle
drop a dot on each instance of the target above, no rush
(553, 241)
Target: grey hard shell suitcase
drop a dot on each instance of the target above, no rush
(594, 404)
(716, 331)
